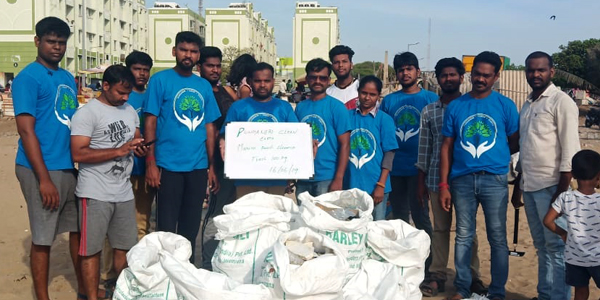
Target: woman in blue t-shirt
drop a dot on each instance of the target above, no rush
(372, 146)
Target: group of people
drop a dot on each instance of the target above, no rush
(162, 137)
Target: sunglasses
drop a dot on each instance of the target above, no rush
(315, 78)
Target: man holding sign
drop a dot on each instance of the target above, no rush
(261, 107)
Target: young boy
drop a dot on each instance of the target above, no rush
(580, 209)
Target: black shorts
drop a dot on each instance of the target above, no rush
(578, 276)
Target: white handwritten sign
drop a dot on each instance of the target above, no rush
(259, 150)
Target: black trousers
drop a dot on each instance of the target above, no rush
(179, 203)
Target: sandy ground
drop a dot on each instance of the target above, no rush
(15, 276)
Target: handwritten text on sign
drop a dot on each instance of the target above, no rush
(258, 150)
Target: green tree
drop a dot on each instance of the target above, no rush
(360, 142)
(316, 131)
(373, 68)
(478, 128)
(67, 102)
(515, 67)
(579, 58)
(407, 119)
(190, 104)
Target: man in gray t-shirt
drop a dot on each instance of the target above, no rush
(104, 136)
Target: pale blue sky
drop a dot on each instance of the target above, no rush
(512, 28)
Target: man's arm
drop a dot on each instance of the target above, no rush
(445, 163)
(424, 157)
(211, 136)
(563, 184)
(152, 172)
(567, 127)
(31, 145)
(379, 190)
(82, 153)
(342, 161)
(513, 142)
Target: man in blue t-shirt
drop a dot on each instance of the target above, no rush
(261, 107)
(405, 108)
(45, 99)
(330, 124)
(140, 63)
(179, 113)
(480, 132)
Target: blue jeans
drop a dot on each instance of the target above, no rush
(550, 247)
(380, 209)
(491, 191)
(314, 188)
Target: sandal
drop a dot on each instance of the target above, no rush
(429, 290)
(477, 287)
(108, 294)
(81, 296)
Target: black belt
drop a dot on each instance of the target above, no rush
(482, 173)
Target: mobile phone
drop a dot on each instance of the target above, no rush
(149, 143)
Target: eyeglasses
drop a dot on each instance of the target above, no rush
(315, 78)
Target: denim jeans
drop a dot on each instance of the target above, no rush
(405, 203)
(314, 188)
(380, 209)
(491, 191)
(550, 247)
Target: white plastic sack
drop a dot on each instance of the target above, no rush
(378, 281)
(322, 277)
(145, 278)
(350, 235)
(259, 200)
(397, 242)
(247, 234)
(199, 284)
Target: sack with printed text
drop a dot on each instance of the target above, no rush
(145, 278)
(247, 233)
(305, 265)
(398, 243)
(376, 281)
(343, 217)
(199, 284)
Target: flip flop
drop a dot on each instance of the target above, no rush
(81, 296)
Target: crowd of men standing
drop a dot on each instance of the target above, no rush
(161, 137)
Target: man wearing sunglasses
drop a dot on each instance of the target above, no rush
(330, 125)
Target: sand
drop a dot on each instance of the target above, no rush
(15, 239)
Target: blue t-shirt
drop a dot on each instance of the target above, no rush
(50, 96)
(370, 138)
(183, 106)
(480, 128)
(250, 110)
(405, 110)
(329, 119)
(137, 100)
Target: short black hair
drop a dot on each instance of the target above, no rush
(208, 52)
(52, 25)
(489, 57)
(340, 49)
(585, 165)
(138, 57)
(316, 65)
(405, 59)
(540, 54)
(189, 37)
(373, 79)
(260, 67)
(118, 74)
(449, 62)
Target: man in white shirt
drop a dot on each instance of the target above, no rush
(548, 140)
(345, 88)
(282, 87)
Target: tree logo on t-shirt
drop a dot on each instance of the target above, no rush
(362, 147)
(478, 134)
(407, 120)
(188, 108)
(262, 117)
(319, 129)
(65, 104)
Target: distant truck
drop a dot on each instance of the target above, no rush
(467, 60)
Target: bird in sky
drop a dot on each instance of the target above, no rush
(553, 17)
